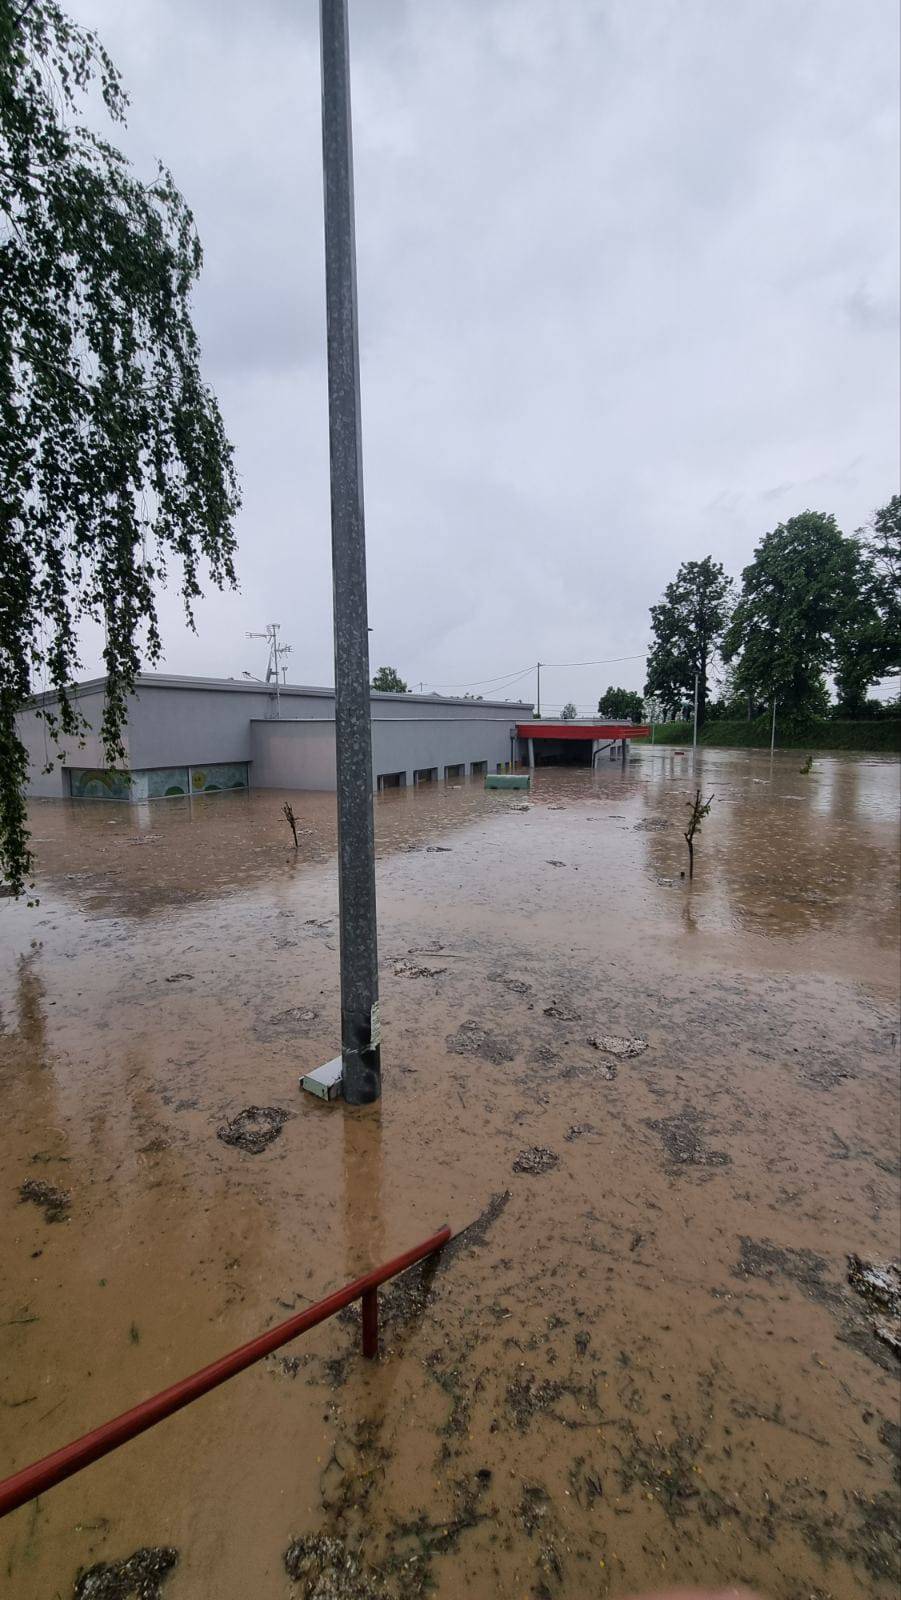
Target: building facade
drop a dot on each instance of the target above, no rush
(201, 735)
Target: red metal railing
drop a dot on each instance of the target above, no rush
(33, 1480)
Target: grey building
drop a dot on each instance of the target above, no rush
(197, 735)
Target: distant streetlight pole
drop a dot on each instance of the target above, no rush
(773, 731)
(538, 696)
(360, 1025)
(694, 738)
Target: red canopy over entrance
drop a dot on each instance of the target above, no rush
(582, 730)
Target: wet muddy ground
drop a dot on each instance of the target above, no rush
(673, 1108)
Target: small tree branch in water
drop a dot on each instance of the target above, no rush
(292, 820)
(699, 810)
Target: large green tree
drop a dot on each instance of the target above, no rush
(870, 647)
(113, 458)
(687, 628)
(802, 599)
(621, 703)
(389, 681)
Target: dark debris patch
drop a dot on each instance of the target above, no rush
(55, 1202)
(579, 1130)
(682, 1140)
(295, 1023)
(471, 1039)
(528, 1396)
(537, 1159)
(761, 1258)
(139, 1577)
(880, 1287)
(514, 985)
(613, 1045)
(562, 1011)
(475, 1235)
(325, 1569)
(254, 1128)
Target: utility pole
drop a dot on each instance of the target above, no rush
(694, 740)
(773, 731)
(360, 1023)
(538, 708)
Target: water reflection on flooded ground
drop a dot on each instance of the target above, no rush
(647, 1368)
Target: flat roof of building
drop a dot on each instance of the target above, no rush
(164, 680)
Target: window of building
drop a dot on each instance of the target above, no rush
(90, 783)
(425, 775)
(392, 780)
(479, 768)
(156, 783)
(458, 770)
(222, 775)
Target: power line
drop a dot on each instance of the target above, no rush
(479, 683)
(513, 676)
(606, 661)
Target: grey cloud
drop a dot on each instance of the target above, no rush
(625, 274)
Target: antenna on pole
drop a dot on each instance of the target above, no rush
(276, 651)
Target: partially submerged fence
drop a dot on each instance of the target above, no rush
(32, 1481)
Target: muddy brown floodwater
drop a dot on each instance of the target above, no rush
(673, 1107)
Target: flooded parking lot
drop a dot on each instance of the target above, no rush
(673, 1107)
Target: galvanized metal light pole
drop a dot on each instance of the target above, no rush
(694, 736)
(360, 1026)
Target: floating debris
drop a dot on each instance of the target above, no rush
(515, 985)
(538, 1158)
(438, 849)
(254, 1128)
(178, 977)
(326, 1570)
(471, 1039)
(139, 1577)
(682, 1140)
(651, 824)
(408, 969)
(562, 1011)
(56, 1202)
(613, 1045)
(880, 1287)
(579, 1130)
(294, 1023)
(555, 863)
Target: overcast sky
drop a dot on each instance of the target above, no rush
(628, 293)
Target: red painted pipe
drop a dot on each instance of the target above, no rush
(33, 1480)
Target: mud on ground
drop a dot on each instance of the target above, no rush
(644, 1365)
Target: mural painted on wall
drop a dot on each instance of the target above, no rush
(223, 775)
(156, 783)
(87, 783)
(159, 783)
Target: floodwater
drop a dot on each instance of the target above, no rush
(645, 1367)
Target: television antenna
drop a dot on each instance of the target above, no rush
(276, 652)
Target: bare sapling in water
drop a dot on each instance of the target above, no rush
(699, 810)
(292, 820)
(807, 767)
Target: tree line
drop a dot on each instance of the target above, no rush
(814, 602)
